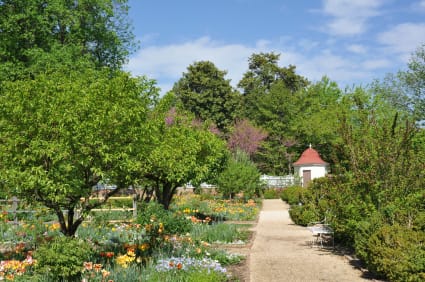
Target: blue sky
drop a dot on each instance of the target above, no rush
(350, 41)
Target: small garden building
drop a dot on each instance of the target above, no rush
(310, 166)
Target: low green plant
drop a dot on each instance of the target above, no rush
(295, 195)
(303, 214)
(174, 223)
(225, 258)
(271, 194)
(219, 233)
(397, 253)
(185, 276)
(62, 258)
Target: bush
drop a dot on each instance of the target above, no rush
(241, 175)
(398, 253)
(271, 194)
(295, 195)
(174, 223)
(303, 215)
(63, 258)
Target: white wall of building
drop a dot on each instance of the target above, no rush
(316, 171)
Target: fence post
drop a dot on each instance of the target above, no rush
(14, 208)
(134, 206)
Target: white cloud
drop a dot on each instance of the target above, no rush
(357, 48)
(376, 64)
(403, 39)
(336, 67)
(167, 63)
(170, 61)
(350, 17)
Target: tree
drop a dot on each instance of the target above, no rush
(183, 151)
(379, 142)
(98, 29)
(204, 91)
(61, 133)
(316, 120)
(245, 137)
(414, 78)
(269, 100)
(240, 175)
(263, 72)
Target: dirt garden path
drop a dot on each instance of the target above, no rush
(281, 252)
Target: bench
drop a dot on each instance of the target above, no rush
(322, 234)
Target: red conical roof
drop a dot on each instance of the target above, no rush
(310, 157)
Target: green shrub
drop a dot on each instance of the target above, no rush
(398, 253)
(362, 234)
(63, 258)
(271, 194)
(241, 175)
(295, 195)
(303, 215)
(174, 223)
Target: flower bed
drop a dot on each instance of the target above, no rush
(157, 246)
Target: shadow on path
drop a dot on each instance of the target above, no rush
(282, 251)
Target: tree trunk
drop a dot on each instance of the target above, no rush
(69, 226)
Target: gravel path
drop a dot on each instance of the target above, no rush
(281, 251)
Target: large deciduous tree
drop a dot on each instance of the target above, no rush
(269, 100)
(316, 120)
(264, 72)
(414, 79)
(184, 150)
(96, 28)
(204, 91)
(63, 132)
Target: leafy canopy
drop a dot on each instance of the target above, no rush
(97, 29)
(64, 132)
(204, 91)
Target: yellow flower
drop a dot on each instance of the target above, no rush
(144, 247)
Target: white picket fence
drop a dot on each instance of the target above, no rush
(12, 207)
(278, 181)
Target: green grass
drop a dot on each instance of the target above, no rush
(220, 232)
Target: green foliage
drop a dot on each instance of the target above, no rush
(398, 253)
(414, 79)
(205, 92)
(32, 30)
(174, 223)
(183, 151)
(241, 175)
(295, 195)
(219, 233)
(269, 101)
(63, 258)
(375, 205)
(272, 193)
(186, 276)
(224, 257)
(89, 126)
(304, 214)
